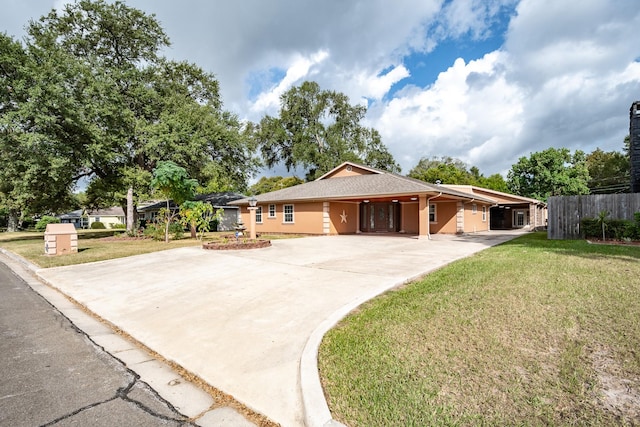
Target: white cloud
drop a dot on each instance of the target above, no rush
(298, 70)
(565, 76)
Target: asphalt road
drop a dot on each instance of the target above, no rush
(52, 374)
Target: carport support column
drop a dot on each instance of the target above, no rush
(252, 213)
(423, 214)
(460, 218)
(358, 218)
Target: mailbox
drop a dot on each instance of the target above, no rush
(60, 239)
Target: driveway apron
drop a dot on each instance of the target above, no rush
(240, 319)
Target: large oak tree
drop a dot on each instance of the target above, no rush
(317, 130)
(96, 93)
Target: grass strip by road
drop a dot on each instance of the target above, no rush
(531, 332)
(92, 246)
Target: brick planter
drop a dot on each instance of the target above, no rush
(233, 245)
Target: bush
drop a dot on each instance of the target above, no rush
(617, 229)
(41, 225)
(177, 230)
(118, 226)
(155, 231)
(97, 225)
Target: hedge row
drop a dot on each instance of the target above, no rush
(617, 229)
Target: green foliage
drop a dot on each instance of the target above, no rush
(552, 172)
(449, 170)
(176, 230)
(602, 222)
(97, 225)
(118, 226)
(317, 130)
(90, 96)
(173, 182)
(155, 231)
(41, 225)
(266, 185)
(618, 229)
(609, 172)
(199, 216)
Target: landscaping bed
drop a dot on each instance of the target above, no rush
(235, 245)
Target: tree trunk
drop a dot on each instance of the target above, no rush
(130, 210)
(12, 223)
(193, 231)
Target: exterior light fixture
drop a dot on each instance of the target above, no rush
(414, 198)
(252, 202)
(395, 200)
(366, 201)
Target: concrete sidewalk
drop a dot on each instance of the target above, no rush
(241, 320)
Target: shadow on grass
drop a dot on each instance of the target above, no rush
(580, 248)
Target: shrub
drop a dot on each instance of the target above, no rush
(41, 225)
(155, 231)
(177, 230)
(97, 225)
(118, 226)
(617, 229)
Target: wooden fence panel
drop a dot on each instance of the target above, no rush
(565, 212)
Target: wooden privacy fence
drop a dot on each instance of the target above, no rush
(565, 212)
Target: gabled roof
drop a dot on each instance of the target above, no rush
(218, 200)
(72, 215)
(498, 194)
(114, 211)
(377, 183)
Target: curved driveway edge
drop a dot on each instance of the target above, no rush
(249, 322)
(316, 409)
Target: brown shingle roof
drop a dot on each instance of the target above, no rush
(374, 185)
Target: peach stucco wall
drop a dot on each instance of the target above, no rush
(344, 172)
(473, 222)
(307, 219)
(338, 226)
(445, 218)
(409, 215)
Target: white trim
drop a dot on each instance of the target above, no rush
(284, 214)
(326, 219)
(435, 213)
(259, 214)
(274, 210)
(484, 214)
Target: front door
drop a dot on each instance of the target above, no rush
(379, 217)
(381, 213)
(519, 219)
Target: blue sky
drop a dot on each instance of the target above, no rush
(486, 81)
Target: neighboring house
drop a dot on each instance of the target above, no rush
(77, 218)
(358, 199)
(511, 211)
(109, 217)
(218, 200)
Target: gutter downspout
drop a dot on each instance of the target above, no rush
(429, 221)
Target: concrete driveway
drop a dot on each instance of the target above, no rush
(240, 320)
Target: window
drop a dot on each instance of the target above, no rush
(484, 214)
(272, 211)
(259, 214)
(474, 209)
(433, 213)
(288, 213)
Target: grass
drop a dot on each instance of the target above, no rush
(525, 333)
(93, 247)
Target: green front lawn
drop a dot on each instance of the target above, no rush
(92, 246)
(531, 332)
